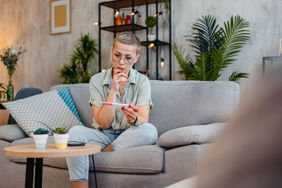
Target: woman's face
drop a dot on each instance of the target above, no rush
(124, 56)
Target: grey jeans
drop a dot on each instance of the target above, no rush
(144, 134)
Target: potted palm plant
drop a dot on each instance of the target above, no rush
(61, 137)
(40, 137)
(77, 70)
(215, 48)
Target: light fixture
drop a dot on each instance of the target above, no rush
(151, 45)
(162, 62)
(133, 13)
(96, 23)
(158, 14)
(116, 13)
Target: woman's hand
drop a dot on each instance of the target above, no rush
(131, 113)
(119, 77)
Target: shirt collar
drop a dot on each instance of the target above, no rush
(108, 77)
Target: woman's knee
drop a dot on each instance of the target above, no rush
(151, 132)
(75, 133)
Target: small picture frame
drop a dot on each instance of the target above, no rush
(60, 16)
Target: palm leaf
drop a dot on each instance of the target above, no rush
(205, 34)
(235, 76)
(235, 33)
(184, 61)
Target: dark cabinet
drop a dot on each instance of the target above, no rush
(151, 46)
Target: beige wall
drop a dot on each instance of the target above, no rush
(28, 22)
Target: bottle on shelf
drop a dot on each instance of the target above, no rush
(123, 19)
(118, 19)
(128, 19)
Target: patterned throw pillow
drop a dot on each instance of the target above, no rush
(66, 96)
(47, 110)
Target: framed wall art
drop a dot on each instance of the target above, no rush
(60, 16)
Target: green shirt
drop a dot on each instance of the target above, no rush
(137, 91)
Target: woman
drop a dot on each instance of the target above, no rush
(116, 128)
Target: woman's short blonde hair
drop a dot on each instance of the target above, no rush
(129, 39)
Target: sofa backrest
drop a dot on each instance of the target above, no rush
(176, 103)
(184, 103)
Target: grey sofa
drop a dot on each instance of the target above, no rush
(187, 114)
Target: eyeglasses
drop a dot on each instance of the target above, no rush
(127, 59)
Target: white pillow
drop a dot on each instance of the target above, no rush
(47, 110)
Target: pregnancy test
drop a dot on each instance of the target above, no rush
(114, 104)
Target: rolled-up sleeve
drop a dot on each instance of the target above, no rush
(144, 94)
(96, 97)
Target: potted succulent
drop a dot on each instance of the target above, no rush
(40, 137)
(150, 22)
(61, 137)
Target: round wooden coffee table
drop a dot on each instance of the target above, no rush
(30, 152)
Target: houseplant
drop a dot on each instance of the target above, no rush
(77, 70)
(10, 57)
(61, 137)
(215, 48)
(40, 137)
(150, 22)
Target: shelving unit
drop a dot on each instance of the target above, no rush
(119, 4)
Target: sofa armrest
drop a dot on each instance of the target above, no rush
(11, 132)
(195, 134)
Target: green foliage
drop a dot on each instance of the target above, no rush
(41, 131)
(76, 71)
(235, 76)
(60, 130)
(151, 21)
(215, 48)
(3, 91)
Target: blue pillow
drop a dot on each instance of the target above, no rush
(65, 94)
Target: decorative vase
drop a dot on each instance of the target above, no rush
(10, 91)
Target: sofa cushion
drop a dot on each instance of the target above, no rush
(196, 134)
(179, 103)
(11, 132)
(47, 110)
(138, 160)
(66, 96)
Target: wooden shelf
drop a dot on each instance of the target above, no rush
(128, 3)
(156, 43)
(121, 28)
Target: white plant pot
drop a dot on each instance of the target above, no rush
(61, 140)
(40, 140)
(151, 37)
